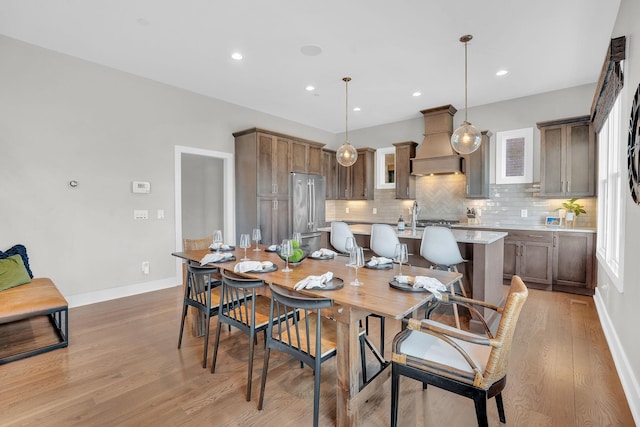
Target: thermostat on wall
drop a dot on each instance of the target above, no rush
(141, 187)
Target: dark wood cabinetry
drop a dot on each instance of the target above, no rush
(356, 182)
(405, 182)
(529, 254)
(330, 172)
(264, 160)
(573, 262)
(477, 170)
(567, 158)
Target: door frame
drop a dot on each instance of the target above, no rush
(228, 195)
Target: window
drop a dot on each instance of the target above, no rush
(611, 140)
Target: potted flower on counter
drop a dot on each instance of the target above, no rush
(573, 209)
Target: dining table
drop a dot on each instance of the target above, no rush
(350, 305)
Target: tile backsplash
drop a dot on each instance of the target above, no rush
(443, 196)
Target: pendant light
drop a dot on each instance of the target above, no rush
(346, 154)
(467, 138)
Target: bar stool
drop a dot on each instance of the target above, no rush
(339, 233)
(439, 247)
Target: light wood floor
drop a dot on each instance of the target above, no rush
(123, 368)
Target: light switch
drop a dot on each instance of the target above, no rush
(160, 213)
(140, 214)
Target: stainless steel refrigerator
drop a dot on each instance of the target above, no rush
(307, 210)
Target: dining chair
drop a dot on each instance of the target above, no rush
(196, 317)
(339, 233)
(202, 292)
(307, 336)
(242, 307)
(440, 248)
(469, 364)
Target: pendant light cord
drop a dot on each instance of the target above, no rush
(465, 82)
(346, 108)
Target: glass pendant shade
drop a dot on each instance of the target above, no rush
(466, 139)
(347, 154)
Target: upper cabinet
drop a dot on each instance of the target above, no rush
(306, 157)
(405, 182)
(478, 165)
(330, 172)
(567, 158)
(357, 182)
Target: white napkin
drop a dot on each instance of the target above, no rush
(379, 261)
(314, 281)
(223, 247)
(402, 279)
(431, 284)
(244, 266)
(272, 248)
(215, 257)
(323, 252)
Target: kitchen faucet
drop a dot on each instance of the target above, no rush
(414, 216)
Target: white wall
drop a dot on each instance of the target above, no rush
(619, 311)
(65, 119)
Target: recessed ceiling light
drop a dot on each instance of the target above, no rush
(501, 73)
(310, 88)
(143, 22)
(237, 56)
(416, 93)
(356, 108)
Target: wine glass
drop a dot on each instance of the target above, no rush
(217, 240)
(349, 246)
(358, 261)
(401, 255)
(257, 236)
(286, 251)
(245, 242)
(297, 236)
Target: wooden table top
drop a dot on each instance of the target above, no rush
(374, 296)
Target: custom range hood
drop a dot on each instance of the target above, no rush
(435, 155)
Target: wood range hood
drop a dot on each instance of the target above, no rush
(435, 155)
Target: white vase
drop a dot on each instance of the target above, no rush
(570, 217)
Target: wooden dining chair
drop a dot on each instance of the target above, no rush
(308, 336)
(243, 308)
(202, 292)
(196, 317)
(469, 364)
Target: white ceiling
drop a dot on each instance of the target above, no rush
(389, 48)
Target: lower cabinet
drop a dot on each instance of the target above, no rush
(273, 220)
(573, 262)
(530, 256)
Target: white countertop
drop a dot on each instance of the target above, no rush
(481, 237)
(524, 227)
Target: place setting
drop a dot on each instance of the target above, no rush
(217, 257)
(255, 267)
(218, 244)
(325, 282)
(322, 254)
(379, 263)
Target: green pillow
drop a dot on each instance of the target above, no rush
(13, 272)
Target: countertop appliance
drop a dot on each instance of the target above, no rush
(307, 208)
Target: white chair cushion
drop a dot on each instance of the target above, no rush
(428, 347)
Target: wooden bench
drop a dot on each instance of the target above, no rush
(41, 297)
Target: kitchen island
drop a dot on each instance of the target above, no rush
(484, 251)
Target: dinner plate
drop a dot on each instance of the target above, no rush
(387, 266)
(231, 248)
(271, 250)
(331, 285)
(321, 257)
(231, 258)
(406, 286)
(265, 270)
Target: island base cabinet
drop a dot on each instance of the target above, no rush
(573, 262)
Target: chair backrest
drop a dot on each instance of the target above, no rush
(236, 298)
(383, 240)
(439, 246)
(200, 281)
(301, 335)
(499, 356)
(339, 233)
(196, 244)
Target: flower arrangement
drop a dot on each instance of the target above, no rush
(573, 206)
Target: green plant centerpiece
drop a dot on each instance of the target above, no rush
(573, 206)
(298, 254)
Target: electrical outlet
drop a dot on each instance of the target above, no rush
(141, 214)
(346, 210)
(160, 213)
(145, 267)
(375, 211)
(523, 213)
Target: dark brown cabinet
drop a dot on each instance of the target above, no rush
(330, 172)
(477, 170)
(529, 254)
(567, 158)
(573, 262)
(405, 182)
(356, 182)
(264, 160)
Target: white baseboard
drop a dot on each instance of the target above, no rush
(121, 291)
(629, 382)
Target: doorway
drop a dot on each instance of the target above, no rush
(204, 196)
